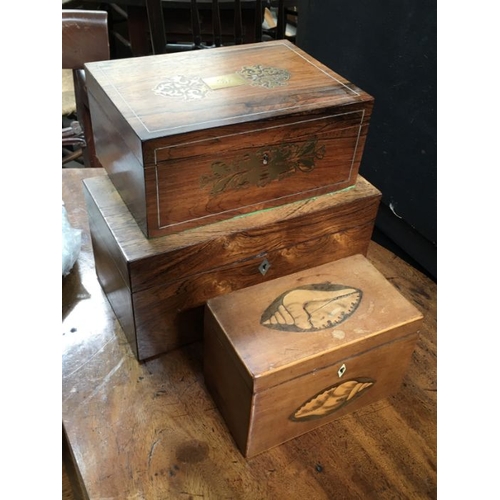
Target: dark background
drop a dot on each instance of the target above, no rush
(389, 50)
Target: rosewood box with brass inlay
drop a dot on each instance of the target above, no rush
(287, 356)
(193, 138)
(158, 286)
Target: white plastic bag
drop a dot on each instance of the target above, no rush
(71, 243)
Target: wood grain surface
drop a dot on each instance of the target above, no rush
(151, 430)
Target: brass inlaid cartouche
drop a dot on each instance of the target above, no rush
(195, 87)
(225, 81)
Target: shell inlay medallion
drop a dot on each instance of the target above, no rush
(331, 399)
(194, 87)
(311, 308)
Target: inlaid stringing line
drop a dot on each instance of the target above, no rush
(357, 142)
(259, 130)
(246, 133)
(138, 118)
(320, 69)
(222, 119)
(246, 206)
(157, 196)
(122, 98)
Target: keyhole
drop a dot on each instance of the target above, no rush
(264, 267)
(265, 158)
(342, 370)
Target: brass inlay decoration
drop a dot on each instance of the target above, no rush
(263, 166)
(331, 399)
(225, 81)
(191, 88)
(311, 308)
(265, 76)
(182, 87)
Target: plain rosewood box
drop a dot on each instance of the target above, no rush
(287, 356)
(158, 286)
(193, 138)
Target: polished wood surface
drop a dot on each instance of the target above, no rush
(287, 340)
(193, 138)
(152, 431)
(157, 287)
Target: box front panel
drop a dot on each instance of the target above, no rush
(199, 182)
(302, 404)
(229, 242)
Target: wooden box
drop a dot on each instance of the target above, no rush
(285, 357)
(157, 287)
(193, 138)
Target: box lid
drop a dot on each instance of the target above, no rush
(303, 322)
(169, 94)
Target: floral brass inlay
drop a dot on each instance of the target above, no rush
(265, 76)
(182, 87)
(190, 88)
(331, 399)
(263, 166)
(311, 308)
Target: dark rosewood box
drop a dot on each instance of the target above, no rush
(193, 138)
(287, 356)
(158, 286)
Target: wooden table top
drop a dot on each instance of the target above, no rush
(151, 430)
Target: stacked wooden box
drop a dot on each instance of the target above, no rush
(227, 168)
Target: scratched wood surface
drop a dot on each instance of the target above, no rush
(151, 430)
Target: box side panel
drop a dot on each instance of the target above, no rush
(315, 399)
(111, 271)
(120, 153)
(158, 309)
(225, 384)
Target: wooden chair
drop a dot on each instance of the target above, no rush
(205, 27)
(84, 39)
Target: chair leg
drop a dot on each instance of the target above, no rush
(156, 26)
(83, 115)
(137, 23)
